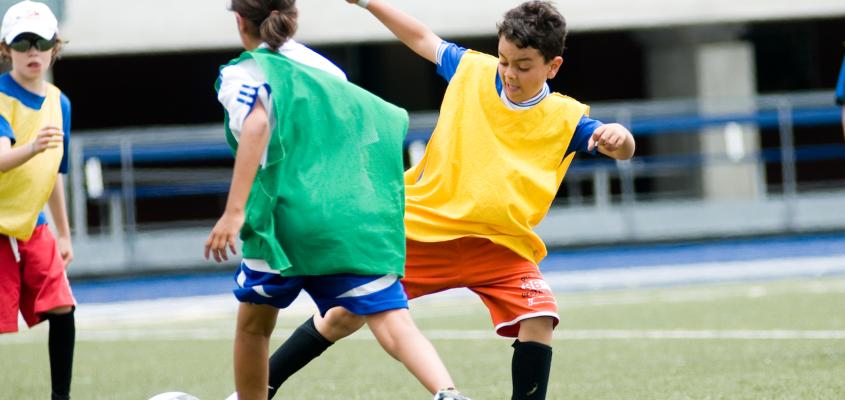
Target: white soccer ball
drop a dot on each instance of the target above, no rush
(173, 396)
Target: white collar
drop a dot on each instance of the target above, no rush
(524, 105)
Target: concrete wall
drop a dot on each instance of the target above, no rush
(122, 26)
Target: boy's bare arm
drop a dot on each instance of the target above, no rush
(49, 137)
(58, 210)
(613, 140)
(407, 29)
(253, 140)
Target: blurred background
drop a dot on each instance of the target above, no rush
(731, 103)
(711, 265)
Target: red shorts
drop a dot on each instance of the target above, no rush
(35, 284)
(510, 286)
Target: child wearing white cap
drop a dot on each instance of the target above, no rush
(34, 132)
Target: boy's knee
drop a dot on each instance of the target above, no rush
(537, 329)
(256, 320)
(59, 311)
(256, 328)
(338, 323)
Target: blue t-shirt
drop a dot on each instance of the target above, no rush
(840, 85)
(12, 88)
(449, 56)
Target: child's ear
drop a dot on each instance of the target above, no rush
(240, 21)
(5, 54)
(554, 67)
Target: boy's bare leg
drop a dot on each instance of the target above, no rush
(252, 342)
(532, 359)
(536, 330)
(400, 337)
(308, 341)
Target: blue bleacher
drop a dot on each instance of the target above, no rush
(649, 126)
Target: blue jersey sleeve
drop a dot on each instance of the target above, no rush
(63, 167)
(840, 85)
(581, 138)
(6, 130)
(448, 57)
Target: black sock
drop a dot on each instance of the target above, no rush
(60, 344)
(530, 369)
(304, 345)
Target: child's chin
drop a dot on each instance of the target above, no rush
(517, 97)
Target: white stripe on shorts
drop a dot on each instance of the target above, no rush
(260, 290)
(259, 265)
(369, 288)
(14, 243)
(241, 278)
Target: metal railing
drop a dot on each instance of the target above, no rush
(116, 169)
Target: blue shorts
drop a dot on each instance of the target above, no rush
(360, 294)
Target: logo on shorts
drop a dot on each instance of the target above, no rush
(533, 301)
(535, 284)
(536, 291)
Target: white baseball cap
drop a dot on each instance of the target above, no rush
(29, 17)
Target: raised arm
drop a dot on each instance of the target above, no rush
(407, 29)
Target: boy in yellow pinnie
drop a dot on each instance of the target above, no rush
(495, 161)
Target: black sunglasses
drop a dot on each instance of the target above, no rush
(23, 43)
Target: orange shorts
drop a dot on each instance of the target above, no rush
(510, 286)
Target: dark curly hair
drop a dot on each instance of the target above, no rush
(274, 21)
(536, 24)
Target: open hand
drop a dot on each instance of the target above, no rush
(224, 234)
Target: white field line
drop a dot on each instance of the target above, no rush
(703, 334)
(463, 302)
(165, 334)
(603, 334)
(696, 273)
(167, 310)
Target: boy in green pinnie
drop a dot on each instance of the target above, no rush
(317, 197)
